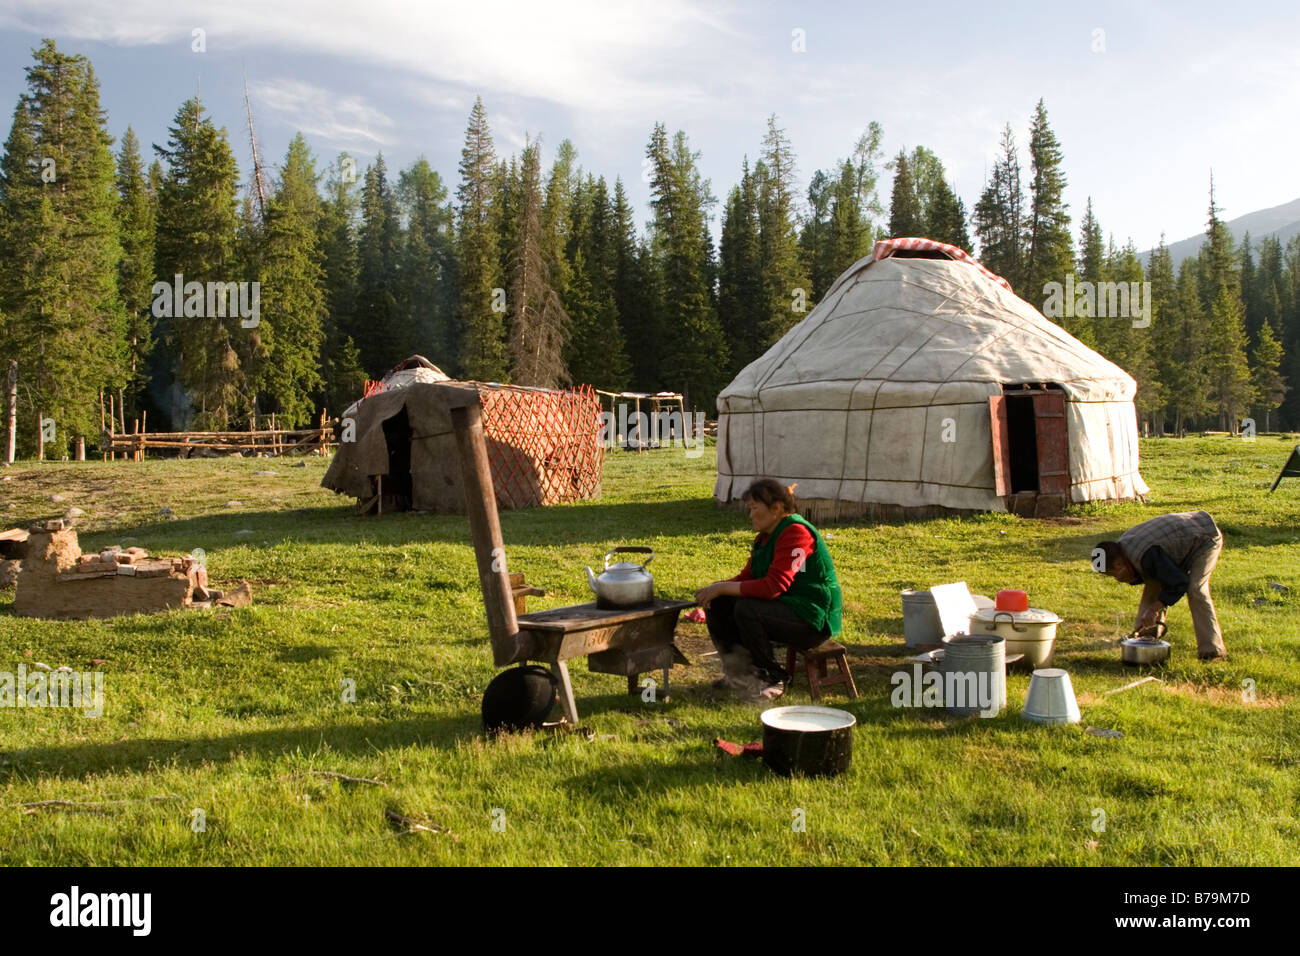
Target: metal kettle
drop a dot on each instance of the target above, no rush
(625, 584)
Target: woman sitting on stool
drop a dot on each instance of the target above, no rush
(787, 594)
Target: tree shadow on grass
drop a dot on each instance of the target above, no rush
(576, 523)
(150, 753)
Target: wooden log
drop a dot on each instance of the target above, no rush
(485, 524)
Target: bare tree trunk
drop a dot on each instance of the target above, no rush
(13, 412)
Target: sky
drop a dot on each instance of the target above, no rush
(1146, 99)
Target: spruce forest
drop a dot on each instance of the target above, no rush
(530, 269)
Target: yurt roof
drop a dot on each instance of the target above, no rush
(928, 321)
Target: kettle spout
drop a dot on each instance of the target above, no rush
(591, 580)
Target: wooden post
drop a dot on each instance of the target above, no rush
(112, 427)
(80, 445)
(102, 454)
(121, 409)
(40, 437)
(12, 412)
(484, 523)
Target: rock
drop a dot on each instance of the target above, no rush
(296, 464)
(1260, 602)
(73, 512)
(164, 511)
(58, 497)
(271, 473)
(1279, 588)
(241, 596)
(234, 504)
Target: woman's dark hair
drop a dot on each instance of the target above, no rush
(769, 492)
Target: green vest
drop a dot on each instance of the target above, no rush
(815, 592)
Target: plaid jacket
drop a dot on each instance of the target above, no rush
(1179, 535)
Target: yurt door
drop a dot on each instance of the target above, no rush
(1031, 465)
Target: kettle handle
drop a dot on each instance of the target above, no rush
(634, 549)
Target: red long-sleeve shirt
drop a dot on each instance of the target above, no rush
(793, 549)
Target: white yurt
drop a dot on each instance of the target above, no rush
(922, 385)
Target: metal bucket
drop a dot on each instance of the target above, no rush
(978, 665)
(921, 624)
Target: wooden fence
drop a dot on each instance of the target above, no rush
(270, 442)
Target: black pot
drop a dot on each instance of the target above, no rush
(519, 698)
(813, 741)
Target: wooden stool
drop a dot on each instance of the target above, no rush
(814, 660)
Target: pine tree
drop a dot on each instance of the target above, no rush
(1166, 325)
(813, 238)
(1289, 293)
(596, 352)
(1126, 345)
(1218, 258)
(1270, 386)
(692, 350)
(1086, 326)
(197, 222)
(1231, 389)
(135, 220)
(425, 262)
(905, 218)
(740, 286)
(786, 288)
(481, 326)
(946, 216)
(340, 358)
(293, 292)
(842, 201)
(63, 319)
(538, 324)
(1253, 307)
(1000, 217)
(637, 295)
(1051, 250)
(1189, 387)
(381, 331)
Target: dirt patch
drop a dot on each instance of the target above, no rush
(1215, 694)
(1222, 696)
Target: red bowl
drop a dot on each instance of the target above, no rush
(1011, 601)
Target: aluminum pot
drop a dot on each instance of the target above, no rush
(1031, 632)
(1145, 647)
(813, 741)
(626, 584)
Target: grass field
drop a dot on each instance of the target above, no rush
(234, 712)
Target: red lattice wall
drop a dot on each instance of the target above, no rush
(543, 446)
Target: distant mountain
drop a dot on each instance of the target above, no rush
(1280, 221)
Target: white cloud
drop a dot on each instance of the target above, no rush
(341, 121)
(595, 55)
